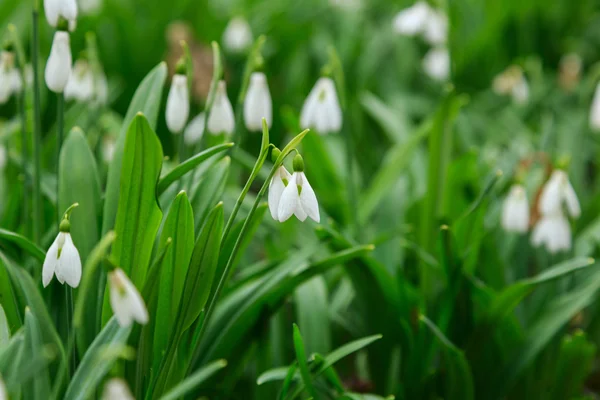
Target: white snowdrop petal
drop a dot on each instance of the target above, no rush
(178, 104)
(308, 200)
(550, 198)
(69, 263)
(118, 297)
(195, 129)
(436, 63)
(68, 9)
(300, 213)
(52, 11)
(116, 389)
(137, 307)
(221, 118)
(412, 20)
(289, 200)
(595, 110)
(571, 200)
(50, 263)
(58, 67)
(237, 36)
(258, 104)
(515, 210)
(435, 31)
(276, 188)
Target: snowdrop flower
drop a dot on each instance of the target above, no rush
(553, 232)
(125, 300)
(515, 210)
(178, 104)
(3, 156)
(298, 197)
(10, 78)
(62, 259)
(556, 192)
(58, 67)
(55, 9)
(80, 85)
(436, 63)
(412, 20)
(436, 28)
(117, 389)
(257, 104)
(595, 110)
(321, 110)
(237, 37)
(195, 129)
(512, 82)
(280, 181)
(221, 118)
(108, 149)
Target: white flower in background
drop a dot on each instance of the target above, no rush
(278, 184)
(237, 37)
(321, 110)
(3, 156)
(258, 104)
(90, 7)
(512, 82)
(412, 20)
(62, 259)
(221, 118)
(556, 192)
(298, 197)
(595, 110)
(80, 85)
(116, 389)
(55, 9)
(552, 231)
(10, 78)
(195, 129)
(178, 104)
(515, 210)
(100, 87)
(125, 300)
(58, 67)
(108, 149)
(436, 28)
(436, 63)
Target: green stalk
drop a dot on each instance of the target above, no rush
(226, 271)
(354, 227)
(37, 139)
(60, 126)
(24, 157)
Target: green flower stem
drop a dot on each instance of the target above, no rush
(25, 157)
(60, 126)
(37, 139)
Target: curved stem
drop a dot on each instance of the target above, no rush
(37, 140)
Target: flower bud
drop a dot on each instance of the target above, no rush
(298, 163)
(178, 104)
(275, 153)
(237, 37)
(258, 104)
(58, 67)
(221, 118)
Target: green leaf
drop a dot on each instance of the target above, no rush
(146, 100)
(40, 386)
(209, 190)
(302, 364)
(459, 382)
(24, 243)
(188, 165)
(574, 365)
(78, 182)
(98, 360)
(313, 315)
(194, 380)
(179, 227)
(4, 328)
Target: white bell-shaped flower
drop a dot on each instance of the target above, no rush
(276, 187)
(595, 110)
(553, 232)
(80, 85)
(62, 259)
(221, 118)
(10, 78)
(58, 67)
(3, 157)
(258, 104)
(125, 300)
(436, 28)
(412, 20)
(436, 63)
(321, 110)
(116, 389)
(515, 210)
(178, 104)
(558, 192)
(298, 197)
(237, 37)
(55, 9)
(195, 129)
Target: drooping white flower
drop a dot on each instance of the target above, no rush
(278, 184)
(58, 67)
(553, 232)
(558, 192)
(55, 9)
(221, 118)
(3, 156)
(80, 85)
(10, 78)
(515, 210)
(63, 260)
(512, 82)
(125, 300)
(595, 110)
(178, 104)
(436, 28)
(237, 37)
(436, 63)
(321, 110)
(116, 389)
(258, 104)
(195, 129)
(299, 199)
(412, 20)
